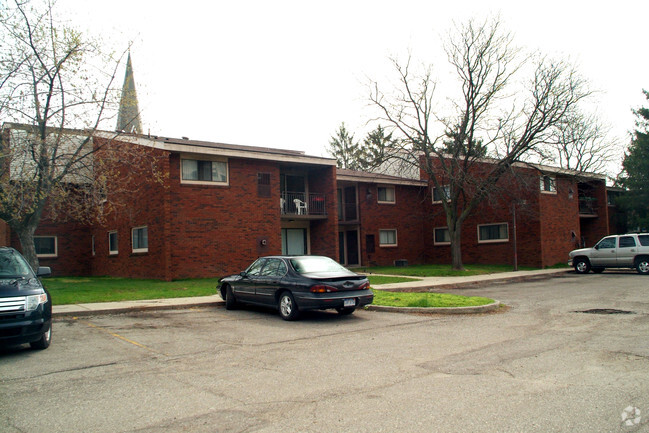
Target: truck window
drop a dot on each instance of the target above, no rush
(606, 243)
(644, 240)
(627, 242)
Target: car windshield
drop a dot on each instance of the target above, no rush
(12, 265)
(306, 265)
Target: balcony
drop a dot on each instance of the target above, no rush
(587, 207)
(303, 206)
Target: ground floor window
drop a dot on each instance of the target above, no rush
(493, 233)
(388, 238)
(442, 236)
(294, 241)
(140, 236)
(46, 246)
(112, 242)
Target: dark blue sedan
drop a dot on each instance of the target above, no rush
(297, 283)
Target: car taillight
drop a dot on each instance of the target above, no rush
(364, 286)
(323, 289)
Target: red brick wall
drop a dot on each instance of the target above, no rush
(140, 203)
(406, 215)
(560, 229)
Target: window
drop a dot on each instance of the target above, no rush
(112, 242)
(263, 184)
(548, 184)
(46, 246)
(442, 236)
(440, 193)
(627, 242)
(140, 238)
(200, 171)
(388, 238)
(274, 268)
(644, 240)
(386, 194)
(255, 268)
(606, 243)
(493, 233)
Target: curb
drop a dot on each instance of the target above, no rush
(438, 310)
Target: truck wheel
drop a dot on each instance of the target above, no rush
(642, 266)
(582, 266)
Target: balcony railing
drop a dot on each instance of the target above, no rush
(587, 206)
(299, 203)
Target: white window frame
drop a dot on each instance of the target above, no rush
(396, 241)
(553, 184)
(139, 250)
(435, 242)
(492, 241)
(446, 188)
(386, 187)
(205, 182)
(92, 245)
(116, 251)
(56, 247)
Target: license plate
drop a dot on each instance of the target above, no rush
(349, 302)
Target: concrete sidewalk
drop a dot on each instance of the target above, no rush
(428, 283)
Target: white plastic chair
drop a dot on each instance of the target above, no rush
(300, 206)
(282, 204)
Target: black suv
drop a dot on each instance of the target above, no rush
(25, 305)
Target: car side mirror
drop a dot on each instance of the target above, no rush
(43, 271)
(243, 274)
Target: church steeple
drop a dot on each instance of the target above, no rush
(128, 118)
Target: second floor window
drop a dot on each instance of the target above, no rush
(204, 171)
(548, 184)
(386, 194)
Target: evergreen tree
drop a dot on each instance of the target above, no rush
(350, 154)
(635, 174)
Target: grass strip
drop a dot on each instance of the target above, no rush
(426, 300)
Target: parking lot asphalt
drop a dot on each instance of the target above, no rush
(570, 354)
(433, 283)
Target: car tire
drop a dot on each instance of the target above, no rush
(642, 266)
(230, 300)
(44, 341)
(582, 266)
(345, 311)
(598, 270)
(287, 307)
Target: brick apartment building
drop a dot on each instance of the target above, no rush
(219, 206)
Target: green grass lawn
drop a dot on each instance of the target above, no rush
(437, 270)
(78, 290)
(402, 299)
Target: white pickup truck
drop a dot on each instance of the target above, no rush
(616, 251)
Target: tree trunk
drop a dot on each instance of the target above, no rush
(26, 236)
(456, 247)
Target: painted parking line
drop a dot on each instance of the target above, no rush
(121, 337)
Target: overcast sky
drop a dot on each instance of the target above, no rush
(287, 73)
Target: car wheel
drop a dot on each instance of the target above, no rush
(230, 300)
(582, 266)
(44, 341)
(287, 306)
(598, 270)
(642, 266)
(345, 311)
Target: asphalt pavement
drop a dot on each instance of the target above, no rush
(427, 283)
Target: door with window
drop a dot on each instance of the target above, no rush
(294, 242)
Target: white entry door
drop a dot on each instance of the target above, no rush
(294, 241)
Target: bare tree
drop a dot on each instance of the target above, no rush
(492, 124)
(58, 88)
(579, 142)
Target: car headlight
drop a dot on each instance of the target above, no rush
(33, 301)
